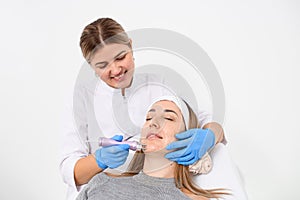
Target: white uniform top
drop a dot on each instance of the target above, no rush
(99, 110)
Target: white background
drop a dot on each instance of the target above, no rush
(255, 46)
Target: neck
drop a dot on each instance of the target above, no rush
(157, 165)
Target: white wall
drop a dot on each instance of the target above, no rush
(255, 46)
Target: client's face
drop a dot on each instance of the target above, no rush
(163, 121)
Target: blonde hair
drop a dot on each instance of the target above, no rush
(182, 176)
(99, 33)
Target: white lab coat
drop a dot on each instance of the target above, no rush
(99, 110)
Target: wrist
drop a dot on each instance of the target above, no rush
(210, 138)
(217, 131)
(99, 163)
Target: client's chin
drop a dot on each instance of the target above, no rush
(153, 146)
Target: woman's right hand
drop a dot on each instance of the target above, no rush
(112, 156)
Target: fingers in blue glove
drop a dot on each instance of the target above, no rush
(186, 134)
(185, 158)
(177, 154)
(192, 145)
(98, 159)
(115, 149)
(112, 156)
(184, 139)
(178, 144)
(124, 146)
(118, 160)
(118, 138)
(190, 162)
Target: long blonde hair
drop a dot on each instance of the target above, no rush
(182, 176)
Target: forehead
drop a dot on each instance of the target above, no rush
(165, 104)
(108, 52)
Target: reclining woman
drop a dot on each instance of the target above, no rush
(150, 175)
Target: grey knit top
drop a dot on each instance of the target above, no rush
(141, 186)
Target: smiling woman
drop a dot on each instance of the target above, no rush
(114, 65)
(149, 170)
(108, 50)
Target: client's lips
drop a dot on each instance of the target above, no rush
(153, 136)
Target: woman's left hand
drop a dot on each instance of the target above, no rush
(191, 146)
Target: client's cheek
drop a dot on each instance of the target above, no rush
(170, 139)
(144, 131)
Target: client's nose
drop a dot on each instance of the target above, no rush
(154, 123)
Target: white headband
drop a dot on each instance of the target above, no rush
(179, 103)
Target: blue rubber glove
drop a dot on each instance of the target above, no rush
(112, 156)
(191, 146)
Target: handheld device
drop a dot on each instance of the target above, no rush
(134, 145)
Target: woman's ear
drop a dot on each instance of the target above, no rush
(130, 42)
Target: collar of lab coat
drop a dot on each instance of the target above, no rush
(112, 90)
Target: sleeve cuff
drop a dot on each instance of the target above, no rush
(67, 171)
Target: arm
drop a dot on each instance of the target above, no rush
(217, 130)
(85, 169)
(72, 147)
(77, 165)
(105, 157)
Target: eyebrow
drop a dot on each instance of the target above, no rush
(166, 110)
(105, 62)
